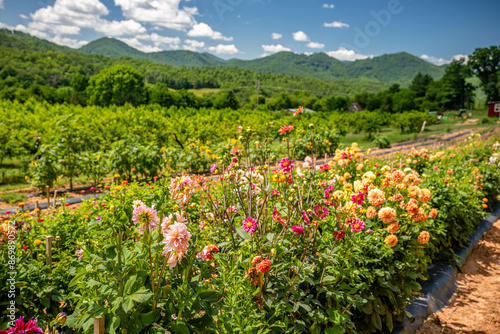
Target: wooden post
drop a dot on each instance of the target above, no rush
(55, 195)
(99, 325)
(36, 204)
(48, 248)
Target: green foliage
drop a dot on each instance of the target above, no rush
(381, 141)
(485, 62)
(116, 85)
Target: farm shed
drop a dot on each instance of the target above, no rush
(494, 109)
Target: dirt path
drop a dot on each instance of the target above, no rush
(475, 306)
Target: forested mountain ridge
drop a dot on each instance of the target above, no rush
(394, 68)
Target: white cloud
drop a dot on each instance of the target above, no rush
(72, 43)
(135, 43)
(204, 30)
(224, 49)
(315, 45)
(442, 61)
(23, 16)
(330, 6)
(345, 54)
(67, 17)
(121, 28)
(193, 45)
(308, 53)
(274, 48)
(27, 30)
(300, 36)
(1, 4)
(275, 35)
(165, 13)
(336, 24)
(158, 40)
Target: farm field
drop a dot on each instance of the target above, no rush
(299, 246)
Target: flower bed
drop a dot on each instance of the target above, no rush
(334, 248)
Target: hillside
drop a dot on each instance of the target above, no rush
(391, 68)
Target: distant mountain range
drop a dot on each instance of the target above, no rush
(389, 68)
(398, 67)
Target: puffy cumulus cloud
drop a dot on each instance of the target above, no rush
(204, 30)
(26, 30)
(336, 24)
(224, 49)
(135, 43)
(275, 35)
(442, 61)
(158, 40)
(329, 6)
(72, 43)
(345, 54)
(164, 13)
(274, 48)
(300, 36)
(193, 45)
(67, 17)
(121, 28)
(315, 45)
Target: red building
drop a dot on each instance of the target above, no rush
(494, 109)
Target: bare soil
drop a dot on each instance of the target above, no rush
(475, 306)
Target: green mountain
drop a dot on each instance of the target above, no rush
(114, 48)
(399, 67)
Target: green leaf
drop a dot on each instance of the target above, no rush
(337, 329)
(115, 323)
(242, 233)
(129, 285)
(378, 306)
(77, 277)
(141, 295)
(368, 309)
(180, 327)
(388, 321)
(150, 317)
(127, 304)
(376, 321)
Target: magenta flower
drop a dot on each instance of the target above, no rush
(357, 226)
(297, 229)
(321, 212)
(249, 225)
(24, 328)
(328, 191)
(306, 219)
(80, 254)
(239, 128)
(214, 167)
(358, 198)
(277, 216)
(287, 165)
(146, 217)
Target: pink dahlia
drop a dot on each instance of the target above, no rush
(214, 167)
(278, 217)
(176, 243)
(24, 328)
(358, 198)
(297, 229)
(306, 218)
(249, 224)
(287, 165)
(169, 220)
(321, 212)
(329, 191)
(146, 217)
(357, 226)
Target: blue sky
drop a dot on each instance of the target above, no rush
(436, 30)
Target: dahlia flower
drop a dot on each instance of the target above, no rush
(376, 197)
(358, 198)
(264, 266)
(207, 252)
(321, 212)
(146, 217)
(249, 225)
(176, 243)
(357, 225)
(24, 328)
(391, 240)
(297, 229)
(387, 215)
(424, 237)
(287, 165)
